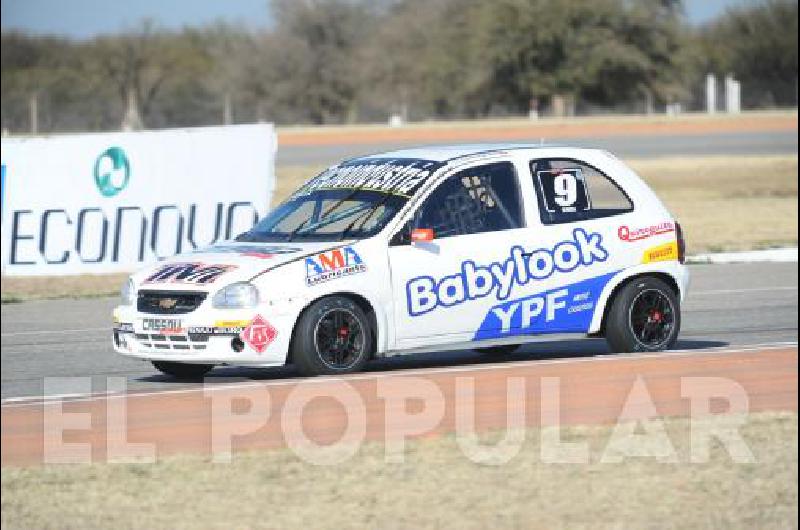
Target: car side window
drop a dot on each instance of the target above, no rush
(569, 191)
(475, 200)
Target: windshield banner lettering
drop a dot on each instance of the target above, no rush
(386, 175)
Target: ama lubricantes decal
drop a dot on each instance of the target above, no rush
(566, 309)
(424, 293)
(334, 264)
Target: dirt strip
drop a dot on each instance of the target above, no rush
(581, 392)
(526, 130)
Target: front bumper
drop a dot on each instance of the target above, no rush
(205, 336)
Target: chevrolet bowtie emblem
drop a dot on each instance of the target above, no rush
(167, 303)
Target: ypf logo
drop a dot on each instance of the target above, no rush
(112, 171)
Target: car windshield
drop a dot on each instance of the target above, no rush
(352, 201)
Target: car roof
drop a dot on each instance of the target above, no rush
(444, 153)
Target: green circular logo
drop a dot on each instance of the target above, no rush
(112, 171)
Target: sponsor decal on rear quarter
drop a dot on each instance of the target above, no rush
(629, 234)
(665, 252)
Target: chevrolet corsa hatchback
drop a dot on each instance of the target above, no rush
(486, 247)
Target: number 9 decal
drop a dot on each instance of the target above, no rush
(565, 187)
(564, 190)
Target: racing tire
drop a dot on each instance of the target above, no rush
(505, 349)
(333, 336)
(182, 370)
(644, 316)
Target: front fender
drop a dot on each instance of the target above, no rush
(382, 318)
(286, 288)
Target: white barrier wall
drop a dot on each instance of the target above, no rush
(100, 203)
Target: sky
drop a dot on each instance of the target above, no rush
(83, 19)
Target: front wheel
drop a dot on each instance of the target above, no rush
(644, 316)
(183, 370)
(333, 336)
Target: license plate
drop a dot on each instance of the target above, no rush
(164, 326)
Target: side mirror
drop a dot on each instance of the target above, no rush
(422, 235)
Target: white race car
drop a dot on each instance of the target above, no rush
(482, 246)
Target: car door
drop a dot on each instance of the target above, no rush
(574, 252)
(443, 287)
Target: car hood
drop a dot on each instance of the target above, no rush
(225, 263)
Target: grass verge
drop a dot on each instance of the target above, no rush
(436, 487)
(15, 290)
(728, 203)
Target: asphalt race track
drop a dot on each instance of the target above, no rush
(729, 306)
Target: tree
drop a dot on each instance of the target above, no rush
(335, 61)
(33, 69)
(136, 63)
(227, 50)
(415, 61)
(320, 39)
(758, 45)
(604, 51)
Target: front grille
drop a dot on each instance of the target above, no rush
(191, 342)
(169, 302)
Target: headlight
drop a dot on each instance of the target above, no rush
(128, 293)
(237, 296)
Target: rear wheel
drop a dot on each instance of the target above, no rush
(333, 336)
(183, 370)
(645, 316)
